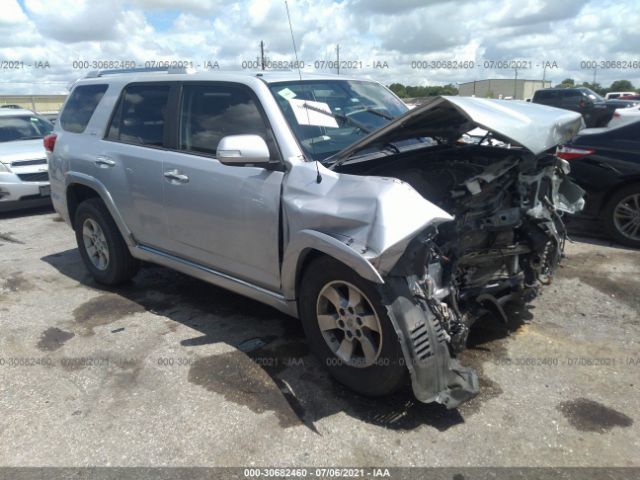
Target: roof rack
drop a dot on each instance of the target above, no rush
(117, 71)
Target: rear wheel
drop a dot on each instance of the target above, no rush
(102, 248)
(349, 330)
(621, 216)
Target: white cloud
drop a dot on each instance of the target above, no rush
(567, 32)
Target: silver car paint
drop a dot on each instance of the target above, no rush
(369, 215)
(532, 126)
(12, 155)
(364, 222)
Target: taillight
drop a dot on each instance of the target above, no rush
(616, 115)
(50, 142)
(571, 153)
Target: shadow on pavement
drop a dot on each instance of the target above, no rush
(271, 359)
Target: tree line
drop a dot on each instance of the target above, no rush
(410, 91)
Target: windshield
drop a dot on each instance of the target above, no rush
(329, 115)
(593, 95)
(23, 127)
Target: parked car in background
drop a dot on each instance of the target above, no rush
(327, 198)
(590, 105)
(622, 103)
(623, 116)
(612, 95)
(606, 163)
(24, 180)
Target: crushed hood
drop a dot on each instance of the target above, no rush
(534, 127)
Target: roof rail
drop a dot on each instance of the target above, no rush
(117, 71)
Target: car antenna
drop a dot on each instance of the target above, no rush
(295, 53)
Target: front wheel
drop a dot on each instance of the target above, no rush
(102, 248)
(622, 216)
(349, 330)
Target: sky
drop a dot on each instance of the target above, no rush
(47, 44)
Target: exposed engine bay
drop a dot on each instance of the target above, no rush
(506, 238)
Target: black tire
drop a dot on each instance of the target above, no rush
(121, 266)
(384, 376)
(608, 216)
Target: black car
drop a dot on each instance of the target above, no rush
(593, 107)
(606, 163)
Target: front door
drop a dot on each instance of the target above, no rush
(224, 217)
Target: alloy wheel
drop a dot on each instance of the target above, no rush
(95, 243)
(349, 324)
(626, 216)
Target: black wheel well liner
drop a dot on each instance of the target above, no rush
(76, 194)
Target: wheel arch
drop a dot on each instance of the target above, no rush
(80, 187)
(309, 245)
(609, 194)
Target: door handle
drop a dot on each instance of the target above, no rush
(104, 162)
(174, 176)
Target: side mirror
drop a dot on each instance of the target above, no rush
(240, 149)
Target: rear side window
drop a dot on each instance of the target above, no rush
(545, 95)
(81, 104)
(210, 112)
(140, 116)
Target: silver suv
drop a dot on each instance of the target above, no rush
(323, 196)
(24, 181)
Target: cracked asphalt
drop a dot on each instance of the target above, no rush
(171, 371)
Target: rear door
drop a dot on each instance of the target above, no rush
(130, 158)
(221, 216)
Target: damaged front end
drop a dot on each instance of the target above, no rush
(506, 237)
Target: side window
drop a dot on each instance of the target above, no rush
(81, 104)
(210, 112)
(140, 115)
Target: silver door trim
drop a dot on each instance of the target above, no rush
(236, 285)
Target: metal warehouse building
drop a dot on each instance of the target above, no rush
(519, 89)
(36, 103)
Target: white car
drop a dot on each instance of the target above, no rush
(614, 95)
(24, 176)
(623, 116)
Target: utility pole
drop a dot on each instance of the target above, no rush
(338, 57)
(594, 77)
(515, 86)
(262, 54)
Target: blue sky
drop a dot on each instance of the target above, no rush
(458, 41)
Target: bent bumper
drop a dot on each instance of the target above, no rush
(435, 375)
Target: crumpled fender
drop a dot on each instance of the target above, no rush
(375, 218)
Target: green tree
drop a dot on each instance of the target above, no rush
(567, 83)
(621, 86)
(596, 87)
(399, 89)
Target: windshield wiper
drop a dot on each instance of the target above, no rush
(339, 116)
(375, 112)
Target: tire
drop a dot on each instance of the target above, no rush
(621, 216)
(117, 266)
(371, 375)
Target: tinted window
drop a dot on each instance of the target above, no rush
(23, 127)
(140, 115)
(80, 106)
(210, 112)
(572, 94)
